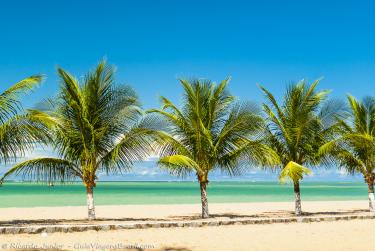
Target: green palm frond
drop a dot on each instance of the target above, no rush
(44, 169)
(293, 171)
(23, 86)
(243, 119)
(353, 148)
(9, 99)
(42, 117)
(350, 162)
(211, 130)
(273, 101)
(165, 145)
(20, 131)
(328, 147)
(174, 119)
(305, 121)
(179, 165)
(136, 144)
(248, 153)
(95, 124)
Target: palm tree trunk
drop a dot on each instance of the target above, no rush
(297, 199)
(90, 203)
(203, 186)
(371, 199)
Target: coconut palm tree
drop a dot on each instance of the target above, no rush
(354, 148)
(20, 131)
(297, 128)
(98, 127)
(211, 130)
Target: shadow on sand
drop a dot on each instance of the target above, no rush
(273, 214)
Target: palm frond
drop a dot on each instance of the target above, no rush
(93, 124)
(9, 99)
(211, 128)
(297, 128)
(293, 171)
(353, 148)
(45, 169)
(179, 165)
(136, 144)
(21, 133)
(273, 101)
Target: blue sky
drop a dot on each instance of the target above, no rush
(154, 42)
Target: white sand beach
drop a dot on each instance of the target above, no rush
(333, 236)
(178, 210)
(338, 235)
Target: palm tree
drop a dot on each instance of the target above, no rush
(354, 148)
(20, 131)
(98, 127)
(297, 128)
(210, 131)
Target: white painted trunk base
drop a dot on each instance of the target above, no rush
(371, 201)
(204, 201)
(297, 199)
(90, 205)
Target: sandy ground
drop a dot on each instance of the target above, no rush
(177, 211)
(340, 235)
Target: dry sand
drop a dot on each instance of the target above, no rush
(339, 235)
(176, 211)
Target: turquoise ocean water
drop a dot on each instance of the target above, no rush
(19, 194)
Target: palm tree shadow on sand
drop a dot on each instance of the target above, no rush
(272, 214)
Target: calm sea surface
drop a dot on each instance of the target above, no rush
(13, 194)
